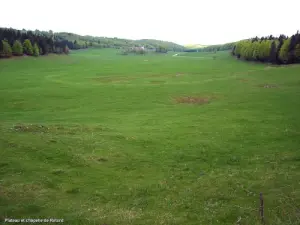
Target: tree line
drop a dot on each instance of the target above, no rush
(33, 43)
(270, 49)
(12, 42)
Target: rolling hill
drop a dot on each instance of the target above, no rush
(194, 46)
(109, 42)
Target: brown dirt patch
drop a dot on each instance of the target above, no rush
(39, 128)
(193, 100)
(30, 128)
(95, 158)
(268, 86)
(166, 75)
(21, 191)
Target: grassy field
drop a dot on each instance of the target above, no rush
(100, 138)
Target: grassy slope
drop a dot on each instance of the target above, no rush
(116, 149)
(194, 46)
(120, 42)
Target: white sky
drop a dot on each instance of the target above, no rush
(181, 21)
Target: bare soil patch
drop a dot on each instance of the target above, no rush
(268, 86)
(95, 158)
(193, 100)
(40, 128)
(166, 75)
(21, 191)
(30, 128)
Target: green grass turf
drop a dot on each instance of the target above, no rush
(98, 138)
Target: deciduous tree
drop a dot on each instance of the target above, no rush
(272, 54)
(17, 48)
(284, 51)
(297, 52)
(36, 50)
(6, 49)
(27, 47)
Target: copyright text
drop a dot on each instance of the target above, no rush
(28, 220)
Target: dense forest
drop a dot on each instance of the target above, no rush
(35, 43)
(276, 50)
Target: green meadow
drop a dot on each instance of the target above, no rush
(100, 138)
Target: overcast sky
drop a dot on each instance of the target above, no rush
(181, 21)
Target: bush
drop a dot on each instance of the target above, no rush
(36, 50)
(17, 48)
(6, 50)
(27, 47)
